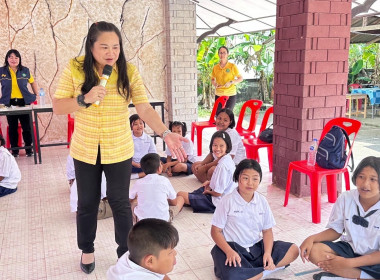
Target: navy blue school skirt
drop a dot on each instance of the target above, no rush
(251, 262)
(344, 249)
(201, 203)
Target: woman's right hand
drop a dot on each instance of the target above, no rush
(305, 248)
(97, 93)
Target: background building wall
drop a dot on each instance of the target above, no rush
(49, 33)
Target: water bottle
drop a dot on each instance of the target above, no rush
(312, 154)
(42, 97)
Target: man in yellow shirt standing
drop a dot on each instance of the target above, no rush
(224, 77)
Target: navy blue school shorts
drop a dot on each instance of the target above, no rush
(344, 249)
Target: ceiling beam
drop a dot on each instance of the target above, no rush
(215, 29)
(365, 28)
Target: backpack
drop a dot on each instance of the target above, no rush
(331, 153)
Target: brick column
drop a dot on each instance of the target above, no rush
(181, 50)
(312, 42)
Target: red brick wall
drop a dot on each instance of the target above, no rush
(310, 80)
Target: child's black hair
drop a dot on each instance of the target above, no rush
(225, 137)
(247, 164)
(2, 141)
(181, 124)
(230, 115)
(149, 237)
(134, 118)
(150, 163)
(370, 161)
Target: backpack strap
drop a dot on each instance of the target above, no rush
(349, 145)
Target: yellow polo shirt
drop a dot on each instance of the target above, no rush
(223, 75)
(106, 125)
(16, 92)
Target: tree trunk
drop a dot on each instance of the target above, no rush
(264, 91)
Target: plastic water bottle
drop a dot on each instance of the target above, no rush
(311, 156)
(42, 97)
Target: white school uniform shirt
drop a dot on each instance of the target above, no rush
(238, 149)
(243, 222)
(8, 169)
(188, 148)
(362, 240)
(125, 269)
(142, 145)
(153, 192)
(70, 169)
(222, 178)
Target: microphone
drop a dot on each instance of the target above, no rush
(107, 70)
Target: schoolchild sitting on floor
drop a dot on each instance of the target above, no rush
(172, 166)
(10, 174)
(225, 121)
(355, 219)
(151, 254)
(154, 193)
(204, 199)
(242, 230)
(143, 144)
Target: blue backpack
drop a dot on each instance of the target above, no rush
(331, 153)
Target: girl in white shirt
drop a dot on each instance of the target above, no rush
(225, 121)
(355, 219)
(172, 166)
(10, 174)
(204, 199)
(242, 230)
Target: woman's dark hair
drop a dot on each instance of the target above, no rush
(223, 47)
(370, 161)
(17, 54)
(247, 164)
(181, 124)
(134, 118)
(2, 141)
(149, 237)
(223, 135)
(91, 79)
(230, 115)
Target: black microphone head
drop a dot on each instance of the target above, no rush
(107, 70)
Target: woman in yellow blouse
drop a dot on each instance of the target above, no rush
(14, 79)
(225, 75)
(102, 139)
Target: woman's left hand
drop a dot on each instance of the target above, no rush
(228, 84)
(173, 140)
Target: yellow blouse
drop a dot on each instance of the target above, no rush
(223, 75)
(106, 125)
(16, 92)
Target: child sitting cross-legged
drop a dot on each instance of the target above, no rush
(143, 144)
(205, 198)
(154, 193)
(172, 166)
(151, 254)
(355, 219)
(242, 230)
(10, 174)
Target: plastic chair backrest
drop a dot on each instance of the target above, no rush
(349, 125)
(254, 105)
(267, 114)
(69, 118)
(352, 86)
(221, 100)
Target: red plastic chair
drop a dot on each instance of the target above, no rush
(199, 126)
(70, 129)
(254, 105)
(317, 173)
(349, 89)
(252, 145)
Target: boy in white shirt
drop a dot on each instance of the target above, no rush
(151, 254)
(143, 144)
(10, 174)
(154, 193)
